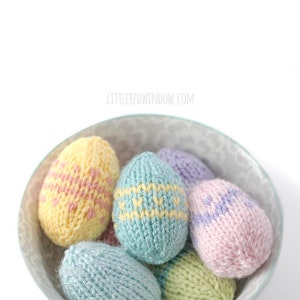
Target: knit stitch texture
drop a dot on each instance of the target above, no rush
(75, 201)
(190, 168)
(185, 277)
(230, 232)
(150, 210)
(93, 270)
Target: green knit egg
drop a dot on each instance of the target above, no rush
(185, 277)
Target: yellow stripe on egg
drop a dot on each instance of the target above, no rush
(176, 214)
(147, 188)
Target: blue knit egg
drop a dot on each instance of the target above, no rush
(93, 270)
(150, 210)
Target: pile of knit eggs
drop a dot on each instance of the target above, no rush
(163, 227)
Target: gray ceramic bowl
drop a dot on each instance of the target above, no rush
(130, 135)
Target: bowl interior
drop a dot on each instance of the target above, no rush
(129, 136)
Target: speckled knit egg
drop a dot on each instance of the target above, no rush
(150, 210)
(75, 201)
(190, 168)
(93, 270)
(230, 232)
(185, 277)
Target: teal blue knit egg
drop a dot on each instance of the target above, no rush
(93, 270)
(150, 210)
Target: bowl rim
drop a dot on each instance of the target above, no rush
(136, 115)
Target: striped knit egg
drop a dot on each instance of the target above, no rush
(230, 232)
(185, 277)
(150, 210)
(93, 270)
(75, 201)
(189, 167)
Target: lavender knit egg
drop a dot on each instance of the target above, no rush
(93, 270)
(150, 210)
(231, 233)
(189, 167)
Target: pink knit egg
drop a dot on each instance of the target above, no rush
(230, 232)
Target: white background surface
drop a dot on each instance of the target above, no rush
(59, 60)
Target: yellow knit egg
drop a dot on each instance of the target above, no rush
(75, 200)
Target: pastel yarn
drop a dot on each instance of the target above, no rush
(93, 270)
(150, 210)
(189, 167)
(185, 277)
(230, 232)
(75, 201)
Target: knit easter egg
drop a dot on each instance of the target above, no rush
(230, 232)
(190, 168)
(93, 270)
(150, 210)
(185, 277)
(75, 200)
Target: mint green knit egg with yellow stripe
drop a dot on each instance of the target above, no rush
(150, 210)
(185, 277)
